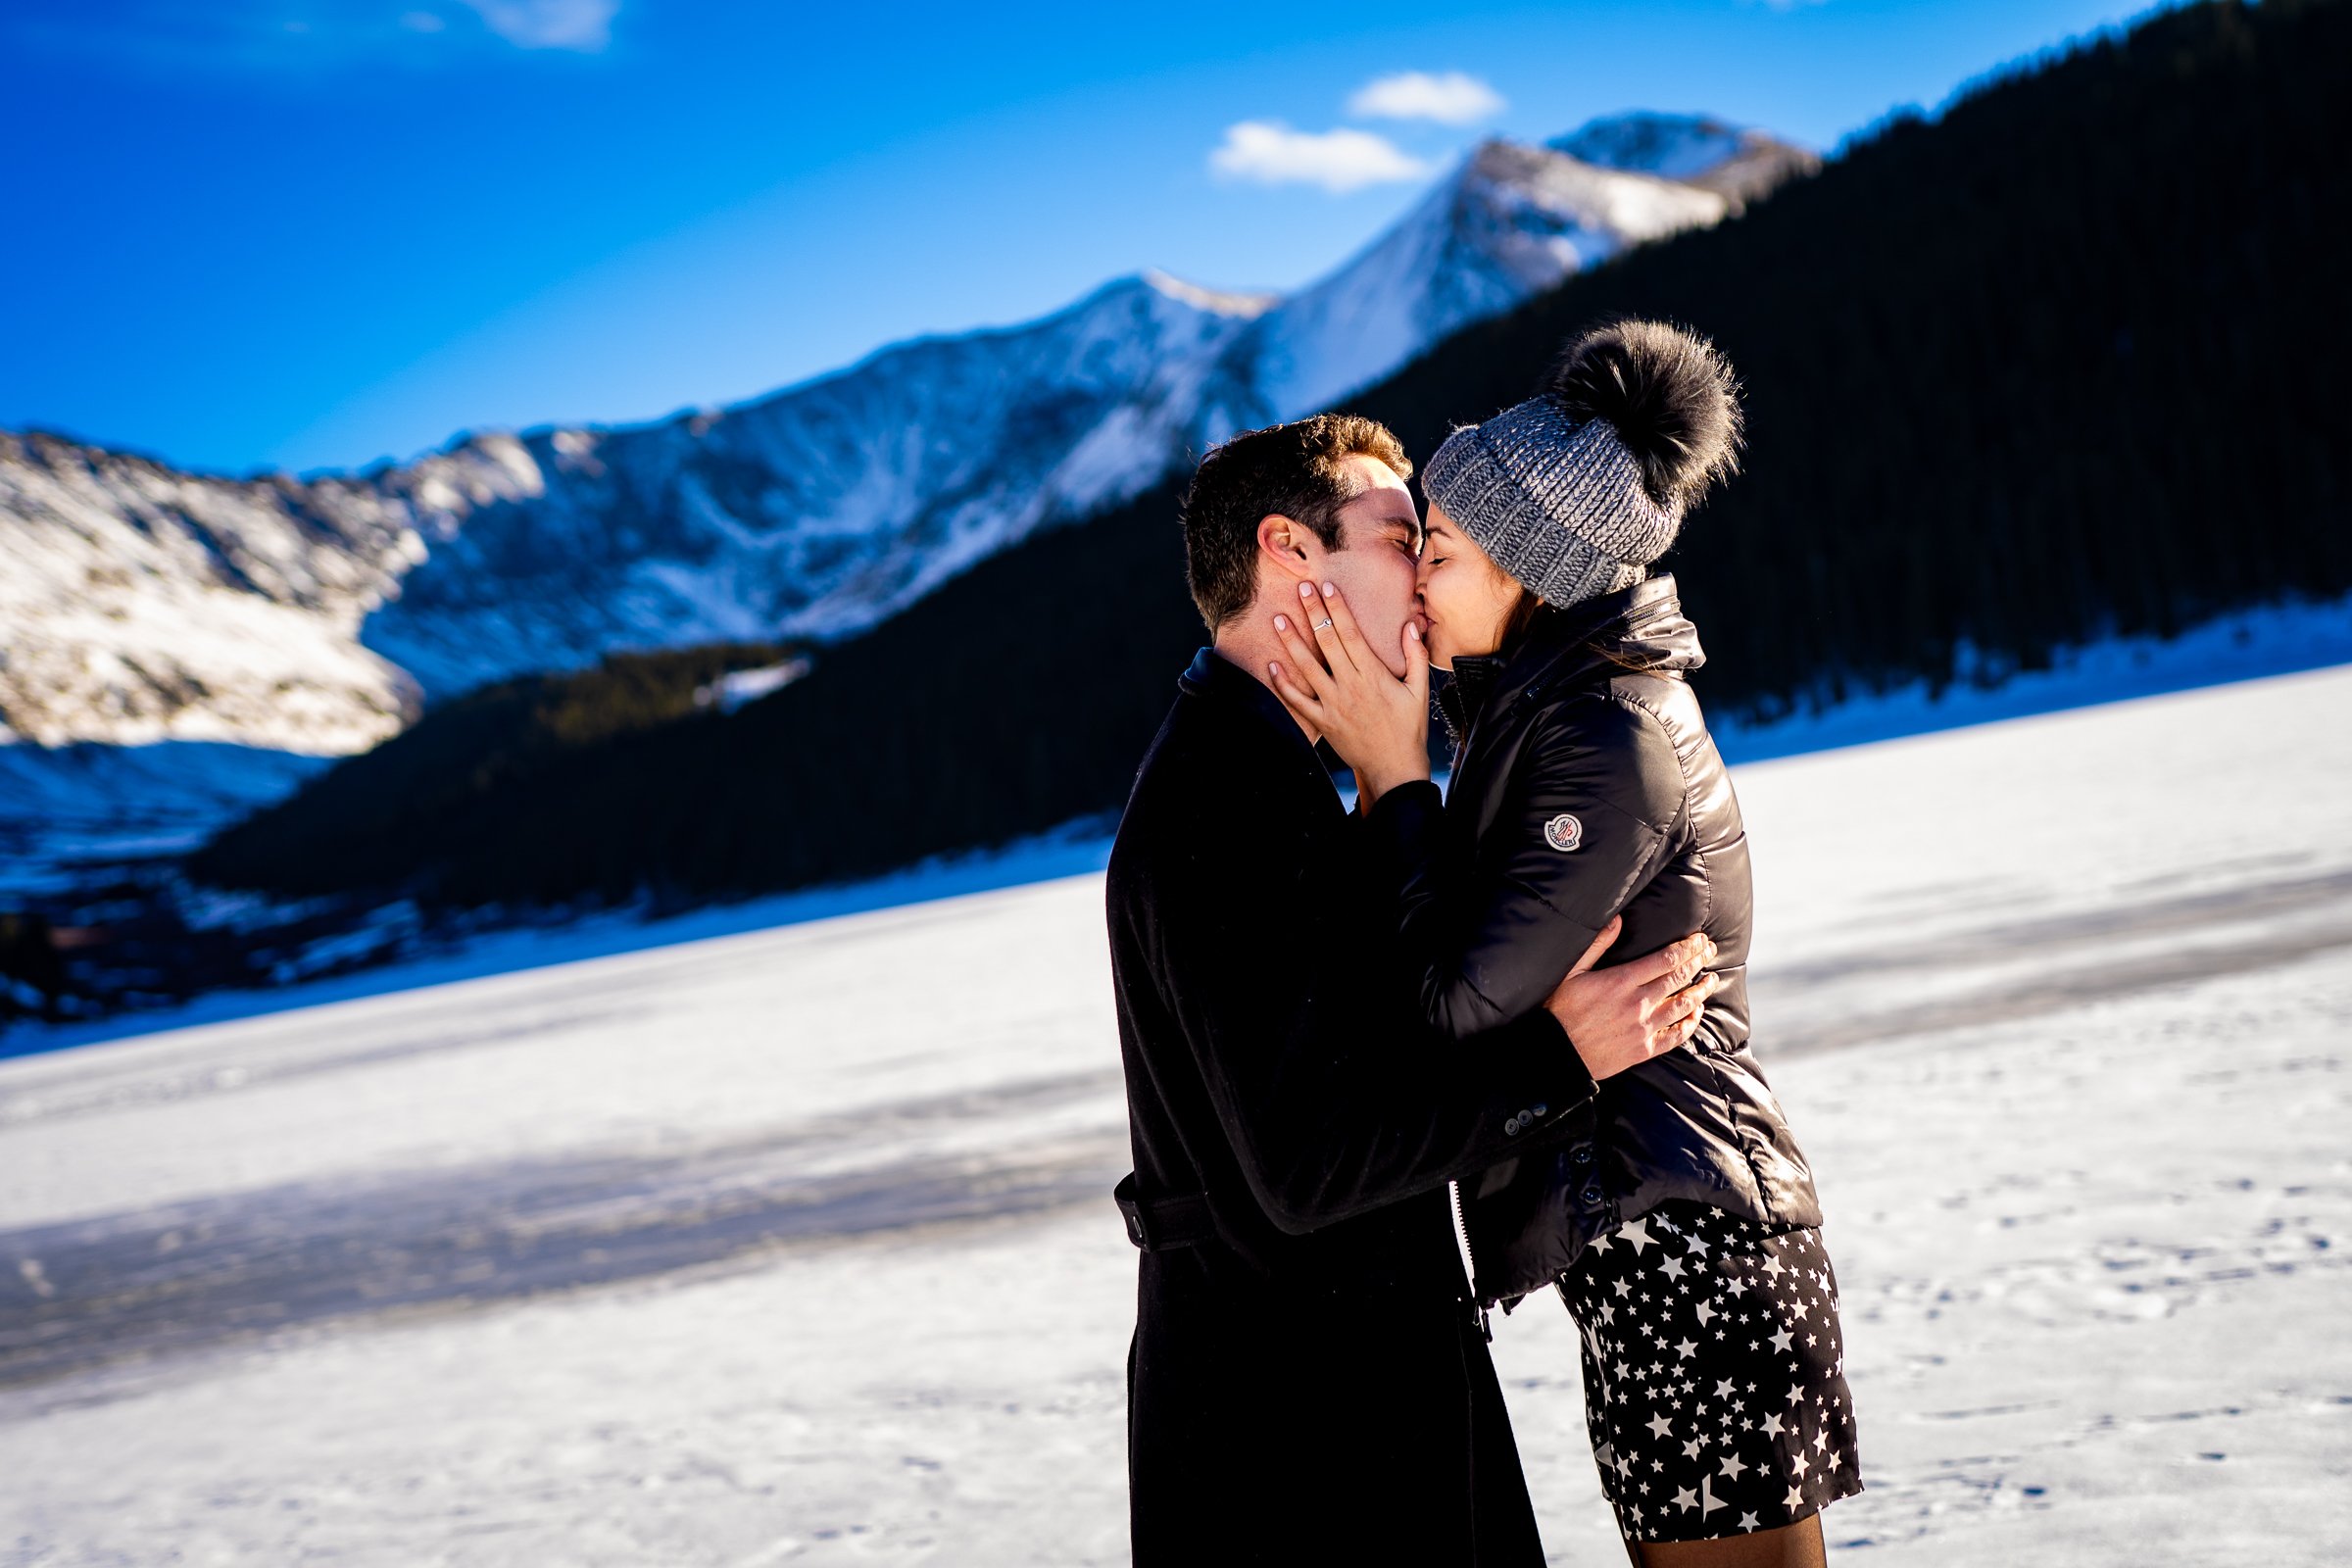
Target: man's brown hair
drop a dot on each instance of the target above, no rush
(1298, 469)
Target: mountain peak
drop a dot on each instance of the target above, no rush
(1644, 141)
(1217, 301)
(1735, 162)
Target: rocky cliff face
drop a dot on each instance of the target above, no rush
(140, 604)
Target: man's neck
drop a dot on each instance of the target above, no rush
(1252, 646)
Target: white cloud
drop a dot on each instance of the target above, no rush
(1273, 154)
(1450, 98)
(582, 25)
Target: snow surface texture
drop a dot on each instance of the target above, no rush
(794, 1245)
(142, 603)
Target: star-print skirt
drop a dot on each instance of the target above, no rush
(1714, 1374)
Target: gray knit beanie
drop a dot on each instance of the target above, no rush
(1577, 490)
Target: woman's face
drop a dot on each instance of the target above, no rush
(1467, 597)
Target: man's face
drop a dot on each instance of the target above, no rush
(1375, 565)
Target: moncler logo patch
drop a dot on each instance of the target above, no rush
(1563, 832)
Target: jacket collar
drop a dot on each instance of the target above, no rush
(1220, 680)
(1641, 628)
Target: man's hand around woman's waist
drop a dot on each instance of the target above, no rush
(1621, 1016)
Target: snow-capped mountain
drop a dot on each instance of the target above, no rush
(141, 603)
(821, 509)
(1510, 222)
(1739, 163)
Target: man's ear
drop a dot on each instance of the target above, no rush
(1283, 541)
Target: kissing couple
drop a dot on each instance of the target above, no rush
(1530, 990)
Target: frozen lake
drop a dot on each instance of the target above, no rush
(795, 1245)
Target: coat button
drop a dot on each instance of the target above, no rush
(1542, 1109)
(1512, 1126)
(1592, 1195)
(1580, 1153)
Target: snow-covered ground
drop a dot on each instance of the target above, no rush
(794, 1245)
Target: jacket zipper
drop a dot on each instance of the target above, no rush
(1461, 1239)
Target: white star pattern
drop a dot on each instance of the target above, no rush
(1673, 1427)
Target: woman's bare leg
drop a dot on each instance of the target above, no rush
(1796, 1546)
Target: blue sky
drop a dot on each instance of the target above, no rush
(308, 233)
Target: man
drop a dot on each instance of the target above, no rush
(1309, 1382)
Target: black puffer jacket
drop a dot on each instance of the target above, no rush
(1585, 785)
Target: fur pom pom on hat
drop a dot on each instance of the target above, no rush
(1576, 491)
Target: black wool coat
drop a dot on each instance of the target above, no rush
(1585, 785)
(1307, 1383)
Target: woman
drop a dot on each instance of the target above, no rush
(1685, 1241)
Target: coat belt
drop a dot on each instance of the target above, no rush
(1162, 1224)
